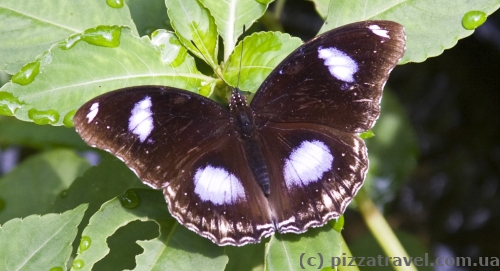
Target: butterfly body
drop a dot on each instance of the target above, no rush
(289, 160)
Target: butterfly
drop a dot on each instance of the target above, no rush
(288, 160)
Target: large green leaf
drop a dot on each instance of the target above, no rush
(39, 242)
(194, 24)
(69, 77)
(230, 17)
(262, 52)
(176, 246)
(41, 179)
(431, 26)
(29, 28)
(291, 251)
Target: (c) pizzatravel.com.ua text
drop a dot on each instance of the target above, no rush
(319, 261)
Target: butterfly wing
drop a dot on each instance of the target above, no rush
(308, 113)
(336, 79)
(315, 171)
(193, 155)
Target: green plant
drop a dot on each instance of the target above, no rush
(76, 51)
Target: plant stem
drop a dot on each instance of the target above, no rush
(348, 255)
(381, 230)
(278, 8)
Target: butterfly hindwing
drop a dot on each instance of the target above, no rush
(336, 79)
(217, 196)
(316, 171)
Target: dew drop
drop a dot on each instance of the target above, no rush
(78, 264)
(63, 193)
(265, 2)
(56, 268)
(115, 3)
(129, 199)
(85, 243)
(70, 42)
(68, 118)
(103, 35)
(27, 73)
(473, 19)
(2, 204)
(8, 103)
(43, 117)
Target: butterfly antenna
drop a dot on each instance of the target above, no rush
(241, 58)
(206, 60)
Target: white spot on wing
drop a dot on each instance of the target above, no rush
(379, 31)
(307, 163)
(216, 185)
(94, 108)
(340, 65)
(141, 119)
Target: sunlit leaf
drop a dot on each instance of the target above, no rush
(70, 77)
(30, 28)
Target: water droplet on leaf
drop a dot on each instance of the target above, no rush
(129, 199)
(85, 243)
(27, 73)
(78, 264)
(115, 3)
(265, 2)
(70, 42)
(43, 117)
(68, 119)
(63, 193)
(56, 268)
(8, 103)
(103, 35)
(473, 19)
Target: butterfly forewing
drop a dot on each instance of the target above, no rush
(152, 129)
(336, 79)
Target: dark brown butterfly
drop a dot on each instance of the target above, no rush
(290, 160)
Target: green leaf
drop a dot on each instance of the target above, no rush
(149, 17)
(246, 258)
(176, 246)
(321, 7)
(39, 243)
(431, 26)
(230, 17)
(392, 153)
(285, 251)
(194, 24)
(262, 52)
(28, 29)
(41, 179)
(69, 77)
(16, 132)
